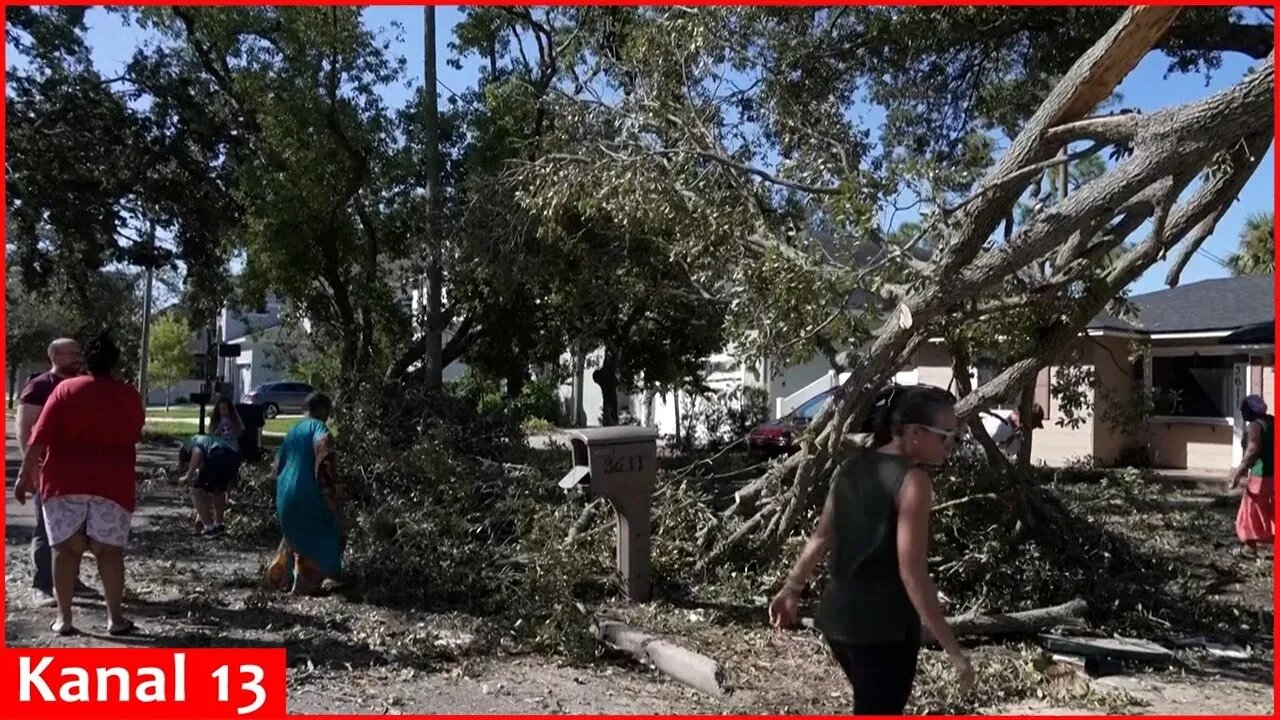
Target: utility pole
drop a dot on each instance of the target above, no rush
(433, 360)
(210, 357)
(144, 354)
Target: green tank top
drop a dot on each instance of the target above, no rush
(865, 602)
(1262, 467)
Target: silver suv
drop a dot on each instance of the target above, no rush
(280, 396)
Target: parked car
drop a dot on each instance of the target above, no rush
(285, 396)
(779, 436)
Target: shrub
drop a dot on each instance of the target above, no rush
(539, 399)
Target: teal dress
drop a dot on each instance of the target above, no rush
(308, 524)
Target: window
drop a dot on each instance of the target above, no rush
(809, 410)
(1204, 385)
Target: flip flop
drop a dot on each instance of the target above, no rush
(66, 630)
(125, 628)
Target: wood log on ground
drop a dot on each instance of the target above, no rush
(684, 666)
(1117, 648)
(1069, 614)
(1027, 622)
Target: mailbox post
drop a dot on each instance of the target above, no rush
(620, 465)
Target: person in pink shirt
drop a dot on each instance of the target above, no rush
(81, 459)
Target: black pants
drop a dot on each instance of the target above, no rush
(881, 675)
(41, 552)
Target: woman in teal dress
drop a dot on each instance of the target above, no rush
(307, 504)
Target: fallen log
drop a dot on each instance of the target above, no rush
(1118, 648)
(684, 666)
(1026, 622)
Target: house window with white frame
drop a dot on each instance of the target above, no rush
(1204, 385)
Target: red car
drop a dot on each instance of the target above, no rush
(779, 436)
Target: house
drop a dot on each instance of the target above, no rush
(257, 332)
(1200, 349)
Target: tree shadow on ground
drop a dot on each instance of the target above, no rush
(324, 652)
(261, 616)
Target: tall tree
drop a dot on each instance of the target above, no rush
(171, 360)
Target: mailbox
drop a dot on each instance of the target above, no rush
(620, 464)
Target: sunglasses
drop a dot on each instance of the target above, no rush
(944, 434)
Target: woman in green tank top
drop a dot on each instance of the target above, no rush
(875, 529)
(1255, 521)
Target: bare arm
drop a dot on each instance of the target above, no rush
(27, 473)
(784, 609)
(1252, 451)
(193, 467)
(914, 501)
(815, 551)
(27, 416)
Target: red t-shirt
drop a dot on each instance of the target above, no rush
(91, 427)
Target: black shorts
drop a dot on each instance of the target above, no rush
(219, 471)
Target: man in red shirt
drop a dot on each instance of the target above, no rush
(65, 362)
(87, 436)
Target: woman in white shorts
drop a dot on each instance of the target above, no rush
(83, 469)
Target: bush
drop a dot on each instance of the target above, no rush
(483, 392)
(539, 400)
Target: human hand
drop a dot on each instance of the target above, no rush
(25, 485)
(784, 610)
(963, 668)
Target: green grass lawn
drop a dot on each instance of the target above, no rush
(176, 411)
(182, 427)
(184, 414)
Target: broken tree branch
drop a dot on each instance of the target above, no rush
(684, 666)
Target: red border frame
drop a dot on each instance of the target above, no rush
(1210, 3)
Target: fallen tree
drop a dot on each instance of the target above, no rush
(789, 244)
(1223, 136)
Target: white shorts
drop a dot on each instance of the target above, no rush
(103, 520)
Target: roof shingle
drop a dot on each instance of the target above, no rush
(1205, 306)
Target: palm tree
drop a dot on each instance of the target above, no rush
(1257, 252)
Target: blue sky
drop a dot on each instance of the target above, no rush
(1145, 88)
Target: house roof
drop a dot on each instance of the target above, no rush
(1222, 304)
(1259, 334)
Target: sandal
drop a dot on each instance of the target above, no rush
(125, 628)
(57, 627)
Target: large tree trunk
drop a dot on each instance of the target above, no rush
(606, 376)
(1170, 148)
(1026, 405)
(579, 371)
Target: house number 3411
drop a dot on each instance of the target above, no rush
(624, 464)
